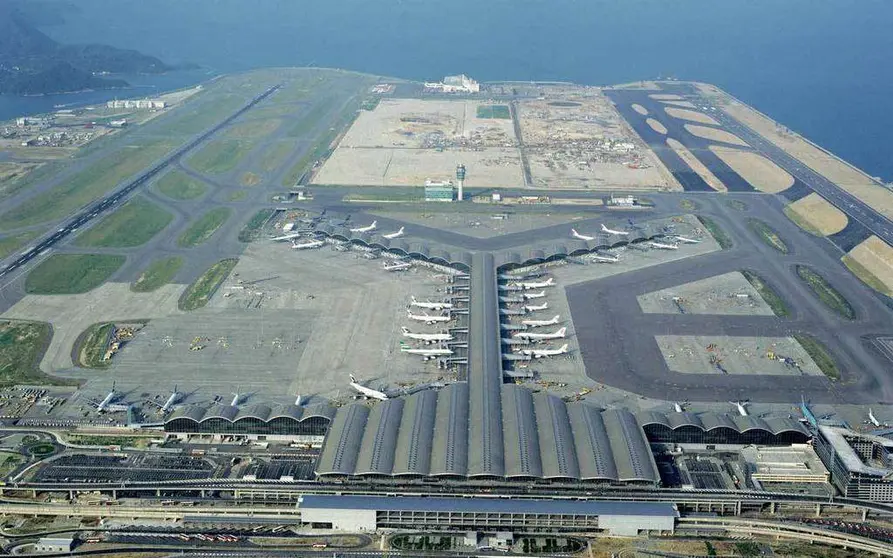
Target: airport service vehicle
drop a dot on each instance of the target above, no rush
(541, 353)
(396, 266)
(612, 231)
(540, 323)
(395, 234)
(428, 319)
(662, 246)
(426, 337)
(577, 235)
(535, 284)
(429, 305)
(558, 334)
(367, 228)
(367, 392)
(308, 245)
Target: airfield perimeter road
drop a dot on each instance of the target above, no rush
(840, 198)
(95, 209)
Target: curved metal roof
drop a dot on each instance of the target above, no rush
(520, 437)
(226, 412)
(412, 456)
(632, 454)
(680, 420)
(376, 456)
(449, 445)
(292, 412)
(260, 412)
(653, 417)
(785, 424)
(342, 445)
(556, 440)
(192, 412)
(591, 442)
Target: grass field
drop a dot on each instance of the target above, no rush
(181, 187)
(198, 116)
(275, 156)
(689, 205)
(9, 244)
(250, 179)
(253, 129)
(772, 298)
(72, 273)
(200, 292)
(92, 345)
(501, 112)
(768, 235)
(819, 354)
(825, 292)
(321, 148)
(856, 269)
(801, 222)
(250, 231)
(220, 156)
(237, 195)
(723, 239)
(133, 224)
(310, 120)
(205, 227)
(15, 177)
(21, 346)
(86, 186)
(737, 204)
(157, 274)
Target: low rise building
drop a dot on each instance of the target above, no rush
(54, 544)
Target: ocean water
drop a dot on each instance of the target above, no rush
(822, 68)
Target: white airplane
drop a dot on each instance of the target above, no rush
(677, 407)
(535, 284)
(171, 401)
(395, 234)
(367, 228)
(368, 392)
(662, 246)
(531, 296)
(534, 308)
(575, 234)
(741, 406)
(873, 420)
(428, 319)
(599, 258)
(429, 305)
(426, 337)
(427, 353)
(288, 236)
(540, 323)
(540, 353)
(686, 240)
(111, 397)
(559, 334)
(396, 266)
(612, 231)
(307, 245)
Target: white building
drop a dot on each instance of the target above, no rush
(136, 104)
(455, 84)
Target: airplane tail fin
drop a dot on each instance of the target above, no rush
(562, 331)
(563, 348)
(574, 232)
(556, 318)
(352, 379)
(374, 223)
(405, 330)
(412, 298)
(550, 281)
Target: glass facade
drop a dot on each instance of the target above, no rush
(662, 434)
(282, 426)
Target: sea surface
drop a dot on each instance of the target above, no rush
(821, 68)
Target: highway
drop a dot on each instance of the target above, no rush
(837, 196)
(96, 208)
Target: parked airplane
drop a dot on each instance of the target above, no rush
(539, 323)
(429, 305)
(534, 308)
(171, 401)
(741, 406)
(428, 319)
(540, 353)
(396, 266)
(426, 353)
(111, 397)
(612, 231)
(872, 420)
(288, 236)
(604, 259)
(575, 234)
(367, 228)
(686, 240)
(662, 246)
(426, 337)
(395, 234)
(307, 245)
(559, 334)
(678, 408)
(536, 284)
(368, 392)
(531, 296)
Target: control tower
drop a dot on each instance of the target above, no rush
(460, 179)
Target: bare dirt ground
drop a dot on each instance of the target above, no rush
(690, 115)
(814, 214)
(729, 294)
(640, 109)
(656, 126)
(875, 257)
(714, 134)
(760, 172)
(833, 168)
(694, 354)
(696, 165)
(72, 314)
